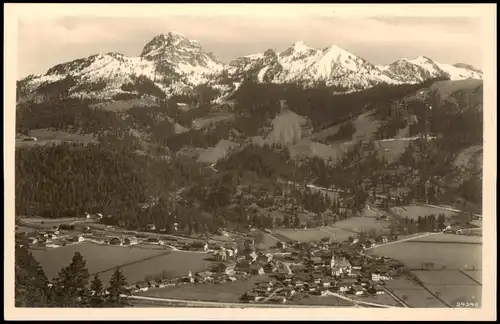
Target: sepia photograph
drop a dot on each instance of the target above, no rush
(259, 159)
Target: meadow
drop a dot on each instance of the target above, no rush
(46, 137)
(98, 257)
(228, 292)
(449, 255)
(454, 295)
(302, 235)
(455, 275)
(340, 231)
(367, 222)
(413, 294)
(414, 211)
(173, 264)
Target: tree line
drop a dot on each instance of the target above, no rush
(72, 287)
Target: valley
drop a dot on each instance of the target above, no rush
(306, 177)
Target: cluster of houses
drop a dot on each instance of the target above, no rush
(124, 241)
(217, 273)
(324, 268)
(47, 238)
(270, 291)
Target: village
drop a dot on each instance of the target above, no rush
(297, 270)
(289, 272)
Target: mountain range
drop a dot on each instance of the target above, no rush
(176, 64)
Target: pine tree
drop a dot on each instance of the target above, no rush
(96, 287)
(117, 285)
(31, 284)
(296, 221)
(71, 282)
(441, 221)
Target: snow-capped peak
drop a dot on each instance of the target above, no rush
(169, 42)
(422, 67)
(300, 46)
(420, 60)
(174, 63)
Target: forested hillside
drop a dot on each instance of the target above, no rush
(113, 178)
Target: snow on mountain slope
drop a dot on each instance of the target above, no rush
(422, 68)
(171, 61)
(288, 128)
(176, 64)
(306, 65)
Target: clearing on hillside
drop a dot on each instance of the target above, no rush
(98, 257)
(47, 137)
(303, 235)
(414, 211)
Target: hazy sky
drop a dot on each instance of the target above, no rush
(44, 42)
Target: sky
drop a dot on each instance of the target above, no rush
(46, 41)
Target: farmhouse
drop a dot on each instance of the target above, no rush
(32, 240)
(220, 255)
(115, 241)
(142, 286)
(219, 268)
(132, 240)
(203, 276)
(277, 299)
(370, 243)
(251, 257)
(357, 290)
(77, 238)
(281, 245)
(256, 269)
(153, 240)
(378, 276)
(250, 296)
(243, 266)
(376, 290)
(357, 264)
(270, 267)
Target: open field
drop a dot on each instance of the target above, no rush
(418, 298)
(413, 211)
(451, 238)
(219, 151)
(385, 299)
(476, 275)
(455, 294)
(46, 137)
(340, 235)
(322, 301)
(307, 148)
(22, 229)
(98, 257)
(444, 278)
(341, 230)
(392, 149)
(175, 264)
(365, 124)
(413, 294)
(228, 292)
(267, 242)
(302, 235)
(211, 119)
(39, 220)
(47, 223)
(124, 105)
(363, 223)
(414, 253)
